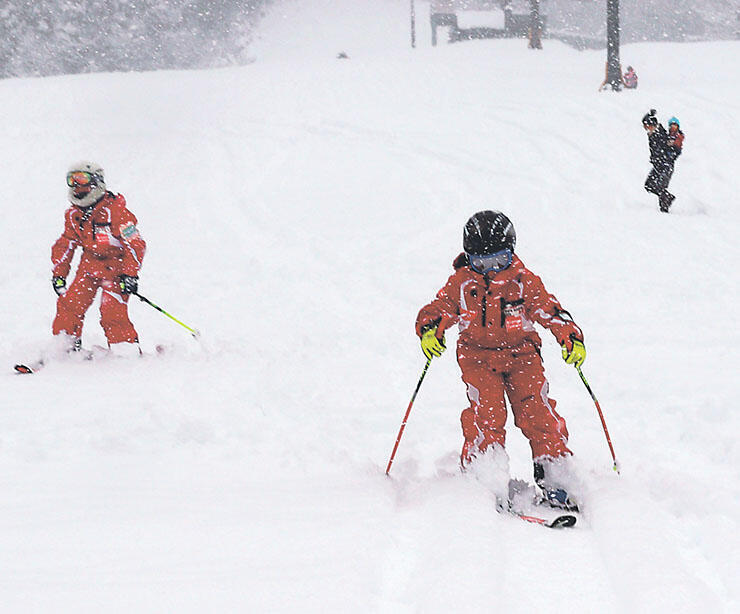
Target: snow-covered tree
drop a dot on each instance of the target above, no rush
(43, 37)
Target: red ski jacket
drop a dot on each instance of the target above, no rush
(107, 234)
(675, 141)
(497, 311)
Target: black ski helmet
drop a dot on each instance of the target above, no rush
(488, 232)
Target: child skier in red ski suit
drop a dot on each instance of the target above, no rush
(496, 300)
(112, 251)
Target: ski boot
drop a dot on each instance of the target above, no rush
(557, 498)
(665, 201)
(553, 496)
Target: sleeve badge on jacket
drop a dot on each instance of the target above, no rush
(129, 231)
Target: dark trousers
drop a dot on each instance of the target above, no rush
(657, 183)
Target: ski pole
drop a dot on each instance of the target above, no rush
(193, 331)
(601, 415)
(406, 417)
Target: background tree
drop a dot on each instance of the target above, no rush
(45, 37)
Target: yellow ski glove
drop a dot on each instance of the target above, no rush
(430, 344)
(577, 354)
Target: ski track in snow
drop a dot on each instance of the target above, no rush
(298, 212)
(479, 550)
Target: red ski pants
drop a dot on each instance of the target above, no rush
(518, 373)
(73, 304)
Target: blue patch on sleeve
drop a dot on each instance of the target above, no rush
(129, 231)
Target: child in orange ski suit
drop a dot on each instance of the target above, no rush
(498, 350)
(112, 251)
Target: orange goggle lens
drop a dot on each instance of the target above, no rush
(79, 178)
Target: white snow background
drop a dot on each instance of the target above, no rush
(299, 211)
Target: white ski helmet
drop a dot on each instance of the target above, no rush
(93, 174)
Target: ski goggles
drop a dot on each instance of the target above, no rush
(485, 263)
(79, 178)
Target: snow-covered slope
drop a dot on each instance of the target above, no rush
(299, 211)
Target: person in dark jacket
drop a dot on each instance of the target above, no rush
(664, 149)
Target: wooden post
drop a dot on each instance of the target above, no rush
(413, 24)
(613, 67)
(535, 25)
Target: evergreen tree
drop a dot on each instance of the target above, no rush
(45, 37)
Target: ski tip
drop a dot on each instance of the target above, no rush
(562, 522)
(23, 369)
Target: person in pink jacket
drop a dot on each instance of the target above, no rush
(99, 222)
(630, 79)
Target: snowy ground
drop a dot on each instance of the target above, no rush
(299, 211)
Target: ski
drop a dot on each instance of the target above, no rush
(24, 369)
(561, 522)
(77, 355)
(81, 355)
(524, 495)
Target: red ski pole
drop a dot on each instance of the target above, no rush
(406, 417)
(601, 415)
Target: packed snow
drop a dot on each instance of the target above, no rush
(298, 212)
